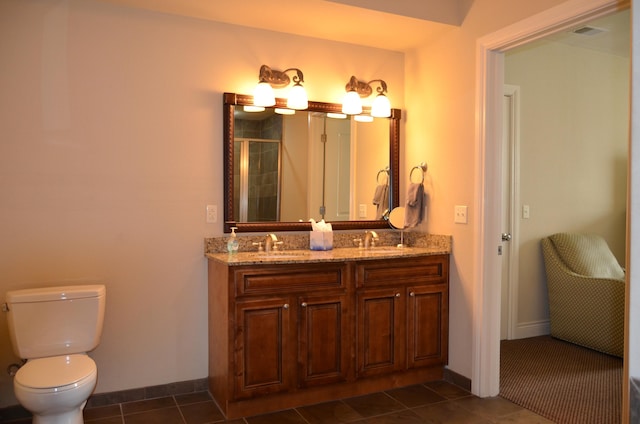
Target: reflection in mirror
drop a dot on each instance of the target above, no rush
(282, 170)
(396, 220)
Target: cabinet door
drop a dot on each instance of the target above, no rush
(380, 331)
(263, 359)
(324, 340)
(427, 325)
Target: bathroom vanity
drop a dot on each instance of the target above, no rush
(302, 327)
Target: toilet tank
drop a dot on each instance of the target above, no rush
(55, 321)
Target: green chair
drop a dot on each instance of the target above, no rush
(586, 288)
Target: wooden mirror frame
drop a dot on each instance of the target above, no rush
(231, 100)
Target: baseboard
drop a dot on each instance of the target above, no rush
(16, 412)
(151, 392)
(457, 379)
(532, 329)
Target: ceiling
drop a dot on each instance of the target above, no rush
(397, 25)
(610, 34)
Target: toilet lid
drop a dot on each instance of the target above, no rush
(57, 371)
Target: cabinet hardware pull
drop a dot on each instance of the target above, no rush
(303, 304)
(285, 306)
(397, 294)
(412, 294)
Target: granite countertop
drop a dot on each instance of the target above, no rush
(334, 255)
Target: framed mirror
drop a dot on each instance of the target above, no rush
(281, 170)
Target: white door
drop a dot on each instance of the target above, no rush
(509, 286)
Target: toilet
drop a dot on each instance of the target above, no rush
(53, 328)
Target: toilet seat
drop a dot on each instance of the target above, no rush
(57, 373)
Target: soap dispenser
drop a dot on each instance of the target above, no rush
(232, 243)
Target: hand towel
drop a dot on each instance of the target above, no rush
(380, 199)
(414, 210)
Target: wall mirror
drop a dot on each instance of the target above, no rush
(281, 170)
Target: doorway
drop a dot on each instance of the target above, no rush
(490, 78)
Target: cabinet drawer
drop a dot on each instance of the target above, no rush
(425, 270)
(289, 278)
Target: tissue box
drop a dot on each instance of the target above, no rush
(321, 240)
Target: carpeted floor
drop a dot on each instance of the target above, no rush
(561, 381)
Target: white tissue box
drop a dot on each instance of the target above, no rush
(321, 240)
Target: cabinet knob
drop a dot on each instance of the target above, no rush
(285, 306)
(412, 294)
(397, 294)
(303, 304)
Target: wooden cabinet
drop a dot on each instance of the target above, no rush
(401, 314)
(291, 334)
(263, 347)
(289, 327)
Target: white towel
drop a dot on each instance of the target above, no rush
(414, 210)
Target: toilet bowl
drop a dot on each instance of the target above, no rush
(53, 328)
(55, 389)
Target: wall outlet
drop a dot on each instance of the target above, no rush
(460, 214)
(212, 214)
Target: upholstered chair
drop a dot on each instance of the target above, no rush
(586, 288)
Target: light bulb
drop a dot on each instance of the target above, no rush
(297, 98)
(363, 118)
(351, 103)
(381, 107)
(263, 95)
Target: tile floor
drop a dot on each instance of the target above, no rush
(435, 402)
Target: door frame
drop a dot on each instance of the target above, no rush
(490, 50)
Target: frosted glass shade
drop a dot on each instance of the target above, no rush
(363, 118)
(297, 98)
(381, 107)
(351, 103)
(263, 95)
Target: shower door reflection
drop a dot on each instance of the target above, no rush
(256, 179)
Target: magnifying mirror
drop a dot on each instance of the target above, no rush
(396, 220)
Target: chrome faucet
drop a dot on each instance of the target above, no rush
(370, 238)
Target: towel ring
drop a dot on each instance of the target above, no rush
(422, 167)
(386, 171)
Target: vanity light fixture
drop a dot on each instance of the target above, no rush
(363, 118)
(284, 111)
(269, 78)
(250, 108)
(352, 103)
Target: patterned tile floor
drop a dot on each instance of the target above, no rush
(436, 402)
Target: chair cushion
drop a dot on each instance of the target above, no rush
(587, 254)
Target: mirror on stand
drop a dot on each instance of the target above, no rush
(396, 220)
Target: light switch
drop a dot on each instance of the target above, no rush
(525, 212)
(212, 214)
(362, 213)
(460, 214)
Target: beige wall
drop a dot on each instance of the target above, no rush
(573, 156)
(112, 146)
(441, 130)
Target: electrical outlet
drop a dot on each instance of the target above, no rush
(212, 214)
(460, 214)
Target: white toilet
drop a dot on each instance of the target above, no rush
(53, 328)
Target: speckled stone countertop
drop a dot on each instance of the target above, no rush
(296, 249)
